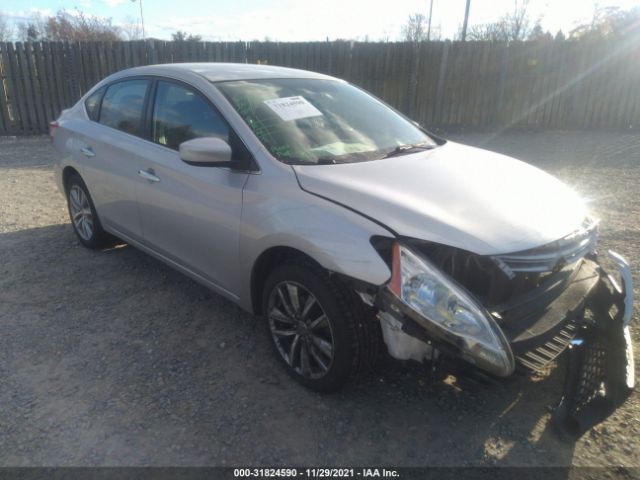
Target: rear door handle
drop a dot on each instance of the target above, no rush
(88, 152)
(149, 175)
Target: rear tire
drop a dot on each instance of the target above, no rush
(328, 324)
(84, 219)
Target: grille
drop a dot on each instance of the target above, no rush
(553, 255)
(537, 359)
(496, 280)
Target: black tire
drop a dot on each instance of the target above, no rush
(97, 238)
(354, 328)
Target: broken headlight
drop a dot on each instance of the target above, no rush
(450, 311)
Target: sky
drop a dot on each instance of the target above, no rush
(300, 20)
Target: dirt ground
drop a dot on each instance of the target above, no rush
(111, 358)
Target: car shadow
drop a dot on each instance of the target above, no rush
(112, 358)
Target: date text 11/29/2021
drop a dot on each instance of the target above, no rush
(316, 472)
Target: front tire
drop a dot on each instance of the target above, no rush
(84, 218)
(320, 329)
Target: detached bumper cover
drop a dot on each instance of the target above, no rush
(600, 375)
(600, 378)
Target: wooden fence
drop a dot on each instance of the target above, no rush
(551, 84)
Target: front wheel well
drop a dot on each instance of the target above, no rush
(67, 173)
(265, 263)
(275, 256)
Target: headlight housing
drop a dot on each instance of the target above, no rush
(449, 312)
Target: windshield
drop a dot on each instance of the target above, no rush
(314, 121)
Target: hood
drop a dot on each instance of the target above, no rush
(465, 197)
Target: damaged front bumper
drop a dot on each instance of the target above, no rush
(601, 371)
(586, 314)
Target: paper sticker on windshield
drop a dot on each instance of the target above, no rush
(292, 108)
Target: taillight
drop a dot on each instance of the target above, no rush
(52, 129)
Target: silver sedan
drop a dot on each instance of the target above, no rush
(344, 224)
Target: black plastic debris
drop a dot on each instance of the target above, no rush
(600, 378)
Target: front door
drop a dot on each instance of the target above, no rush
(190, 214)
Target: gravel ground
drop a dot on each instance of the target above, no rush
(111, 358)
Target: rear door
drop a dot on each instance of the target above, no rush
(111, 145)
(190, 214)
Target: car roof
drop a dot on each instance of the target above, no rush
(220, 72)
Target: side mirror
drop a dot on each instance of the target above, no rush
(206, 152)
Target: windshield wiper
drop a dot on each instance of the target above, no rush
(328, 161)
(402, 149)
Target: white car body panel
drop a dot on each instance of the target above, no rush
(465, 197)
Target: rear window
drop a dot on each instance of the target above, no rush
(92, 104)
(123, 104)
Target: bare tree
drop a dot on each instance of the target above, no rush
(6, 30)
(131, 29)
(70, 26)
(80, 27)
(33, 29)
(415, 30)
(488, 32)
(515, 25)
(537, 34)
(181, 36)
(29, 32)
(609, 22)
(517, 21)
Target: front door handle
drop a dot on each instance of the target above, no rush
(88, 152)
(149, 175)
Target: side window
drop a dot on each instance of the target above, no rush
(122, 106)
(92, 104)
(180, 114)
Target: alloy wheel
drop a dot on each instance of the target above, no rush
(301, 330)
(81, 212)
